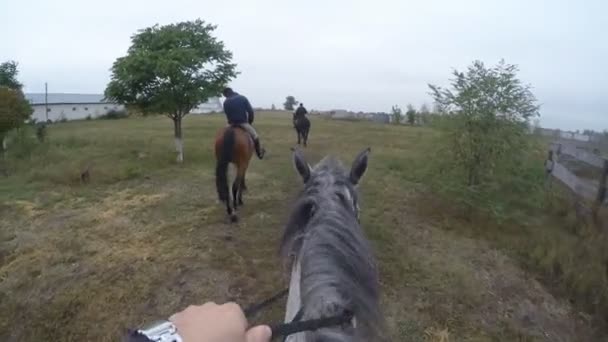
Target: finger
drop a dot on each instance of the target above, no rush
(261, 333)
(235, 310)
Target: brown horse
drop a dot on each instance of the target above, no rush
(232, 145)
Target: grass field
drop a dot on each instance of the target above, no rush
(146, 237)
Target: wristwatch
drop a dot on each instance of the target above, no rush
(161, 331)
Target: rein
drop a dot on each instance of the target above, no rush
(296, 325)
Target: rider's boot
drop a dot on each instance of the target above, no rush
(260, 151)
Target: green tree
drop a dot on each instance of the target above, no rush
(397, 114)
(424, 109)
(411, 114)
(290, 103)
(14, 111)
(170, 70)
(424, 114)
(8, 75)
(14, 108)
(537, 129)
(485, 136)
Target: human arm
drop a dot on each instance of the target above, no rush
(250, 114)
(215, 323)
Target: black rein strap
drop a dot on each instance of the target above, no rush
(251, 310)
(287, 329)
(296, 326)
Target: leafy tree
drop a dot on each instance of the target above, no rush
(8, 75)
(397, 114)
(41, 131)
(536, 126)
(424, 114)
(14, 111)
(485, 136)
(170, 70)
(14, 108)
(437, 109)
(424, 109)
(290, 103)
(411, 114)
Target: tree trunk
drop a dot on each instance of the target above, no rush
(3, 167)
(3, 145)
(179, 143)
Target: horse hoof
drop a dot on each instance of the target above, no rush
(234, 218)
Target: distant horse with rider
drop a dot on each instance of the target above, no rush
(235, 144)
(301, 124)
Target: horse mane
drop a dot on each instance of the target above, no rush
(338, 271)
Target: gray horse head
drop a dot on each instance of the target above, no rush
(333, 269)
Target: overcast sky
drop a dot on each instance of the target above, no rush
(357, 55)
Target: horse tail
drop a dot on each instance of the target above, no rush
(221, 169)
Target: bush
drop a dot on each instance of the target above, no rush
(41, 132)
(62, 118)
(21, 142)
(411, 115)
(114, 115)
(484, 152)
(396, 114)
(15, 110)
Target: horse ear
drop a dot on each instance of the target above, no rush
(300, 164)
(359, 166)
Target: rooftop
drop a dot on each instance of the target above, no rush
(55, 98)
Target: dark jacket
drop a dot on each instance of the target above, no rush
(238, 110)
(301, 111)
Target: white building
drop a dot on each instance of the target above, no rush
(58, 106)
(574, 136)
(213, 105)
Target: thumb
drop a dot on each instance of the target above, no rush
(261, 333)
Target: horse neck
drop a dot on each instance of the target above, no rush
(294, 302)
(315, 286)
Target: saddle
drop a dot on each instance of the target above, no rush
(238, 126)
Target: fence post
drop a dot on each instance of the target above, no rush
(549, 164)
(601, 193)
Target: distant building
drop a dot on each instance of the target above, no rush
(574, 136)
(213, 105)
(381, 117)
(79, 106)
(341, 114)
(61, 106)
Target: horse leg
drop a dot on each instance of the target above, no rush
(241, 189)
(243, 185)
(235, 191)
(240, 178)
(229, 209)
(305, 134)
(298, 133)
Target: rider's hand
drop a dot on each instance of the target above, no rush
(217, 323)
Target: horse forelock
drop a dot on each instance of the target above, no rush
(338, 270)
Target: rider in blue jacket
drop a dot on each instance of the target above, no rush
(240, 113)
